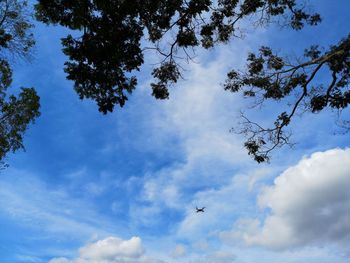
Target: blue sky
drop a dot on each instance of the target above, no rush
(123, 187)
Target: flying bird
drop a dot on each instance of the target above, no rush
(200, 209)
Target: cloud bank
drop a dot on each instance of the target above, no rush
(309, 204)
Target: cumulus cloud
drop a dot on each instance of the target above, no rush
(309, 204)
(111, 250)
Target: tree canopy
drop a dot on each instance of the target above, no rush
(16, 112)
(112, 37)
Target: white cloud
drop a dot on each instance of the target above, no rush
(309, 204)
(111, 250)
(113, 247)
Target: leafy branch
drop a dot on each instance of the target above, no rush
(270, 77)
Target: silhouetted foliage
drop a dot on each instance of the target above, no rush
(115, 34)
(112, 37)
(270, 76)
(16, 112)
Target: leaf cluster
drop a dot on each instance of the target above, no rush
(15, 112)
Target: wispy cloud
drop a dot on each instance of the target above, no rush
(49, 210)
